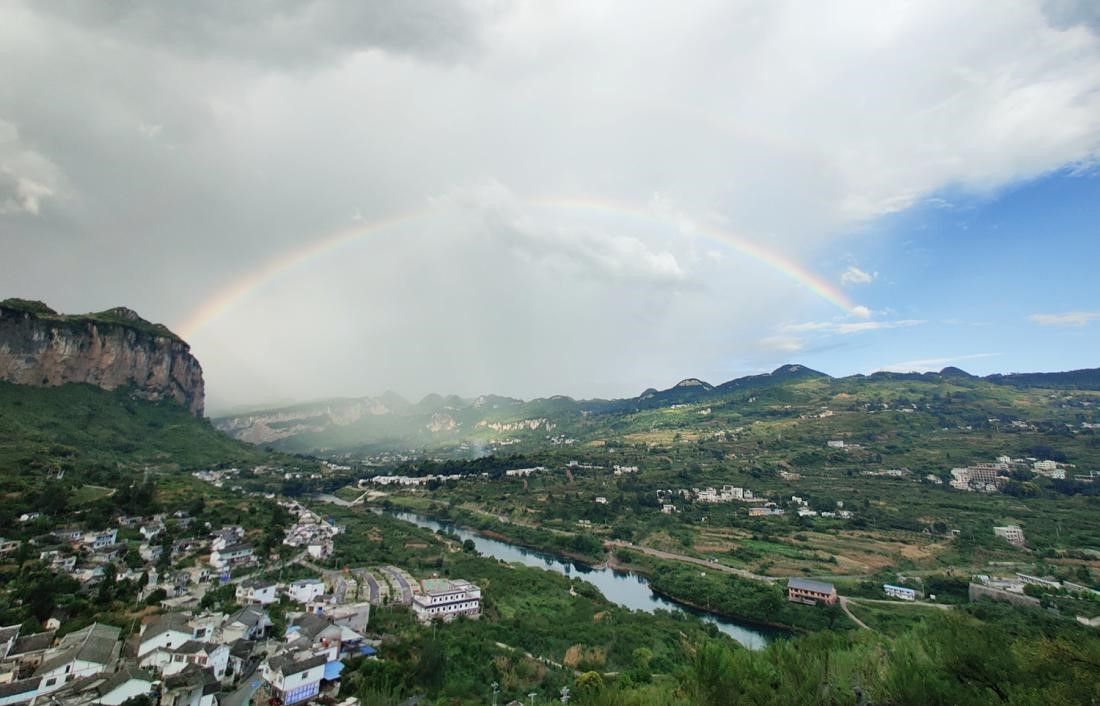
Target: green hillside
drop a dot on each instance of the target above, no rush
(60, 446)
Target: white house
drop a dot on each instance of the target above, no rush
(294, 681)
(258, 591)
(305, 590)
(80, 654)
(442, 599)
(248, 623)
(205, 655)
(232, 555)
(166, 632)
(101, 540)
(191, 687)
(124, 684)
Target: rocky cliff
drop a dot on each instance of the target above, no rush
(108, 349)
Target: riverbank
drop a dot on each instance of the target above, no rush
(614, 563)
(626, 589)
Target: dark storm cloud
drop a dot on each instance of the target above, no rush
(282, 32)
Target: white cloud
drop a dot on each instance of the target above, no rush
(926, 365)
(1069, 318)
(27, 178)
(854, 275)
(861, 312)
(782, 344)
(850, 327)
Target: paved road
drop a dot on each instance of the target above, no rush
(372, 585)
(406, 590)
(857, 621)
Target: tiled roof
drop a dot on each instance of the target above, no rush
(23, 686)
(287, 665)
(32, 643)
(809, 585)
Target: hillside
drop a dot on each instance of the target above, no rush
(458, 427)
(74, 435)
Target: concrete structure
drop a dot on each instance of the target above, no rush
(1011, 534)
(905, 594)
(810, 592)
(305, 590)
(442, 599)
(83, 653)
(978, 591)
(248, 623)
(293, 681)
(231, 555)
(257, 591)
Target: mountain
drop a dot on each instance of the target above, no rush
(108, 349)
(451, 425)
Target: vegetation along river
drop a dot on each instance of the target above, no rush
(622, 587)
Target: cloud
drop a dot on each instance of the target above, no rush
(846, 328)
(195, 142)
(854, 275)
(861, 312)
(1069, 318)
(926, 365)
(782, 344)
(27, 178)
(283, 32)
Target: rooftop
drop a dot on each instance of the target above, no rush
(810, 585)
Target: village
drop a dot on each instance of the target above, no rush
(285, 642)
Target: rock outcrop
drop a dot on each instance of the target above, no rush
(108, 349)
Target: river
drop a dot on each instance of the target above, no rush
(622, 587)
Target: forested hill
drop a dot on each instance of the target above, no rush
(458, 426)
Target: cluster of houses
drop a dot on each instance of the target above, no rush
(185, 659)
(992, 477)
(310, 531)
(980, 477)
(802, 507)
(727, 494)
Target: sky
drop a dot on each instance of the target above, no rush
(534, 198)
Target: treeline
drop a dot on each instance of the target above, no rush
(986, 654)
(495, 466)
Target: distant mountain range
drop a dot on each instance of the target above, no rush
(491, 421)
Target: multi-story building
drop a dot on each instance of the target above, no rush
(443, 599)
(80, 654)
(1011, 534)
(305, 590)
(810, 592)
(231, 555)
(293, 681)
(257, 591)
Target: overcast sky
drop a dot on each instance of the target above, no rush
(585, 198)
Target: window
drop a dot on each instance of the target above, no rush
(51, 681)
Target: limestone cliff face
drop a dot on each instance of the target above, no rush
(108, 349)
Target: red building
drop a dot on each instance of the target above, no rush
(810, 592)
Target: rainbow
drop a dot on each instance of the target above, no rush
(226, 298)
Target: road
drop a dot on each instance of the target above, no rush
(857, 621)
(406, 590)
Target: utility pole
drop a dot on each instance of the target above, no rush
(496, 689)
(533, 695)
